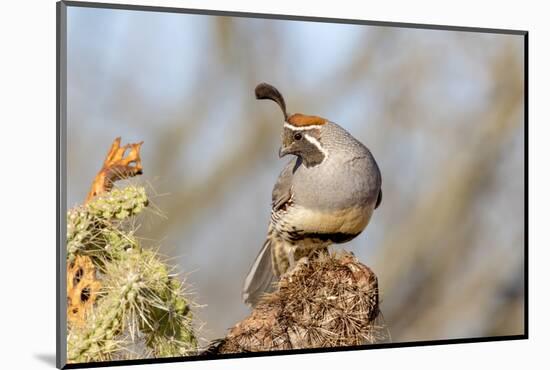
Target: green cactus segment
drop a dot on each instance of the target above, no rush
(93, 229)
(97, 341)
(119, 203)
(168, 332)
(80, 229)
(140, 299)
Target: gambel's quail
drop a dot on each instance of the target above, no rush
(325, 195)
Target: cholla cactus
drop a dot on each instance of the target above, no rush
(119, 203)
(135, 301)
(325, 301)
(96, 229)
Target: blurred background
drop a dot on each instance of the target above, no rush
(442, 112)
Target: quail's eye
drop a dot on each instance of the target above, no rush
(297, 136)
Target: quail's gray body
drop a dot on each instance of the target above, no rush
(325, 195)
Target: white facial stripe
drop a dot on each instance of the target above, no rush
(296, 128)
(317, 144)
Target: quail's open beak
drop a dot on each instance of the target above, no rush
(283, 151)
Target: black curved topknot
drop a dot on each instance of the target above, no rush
(266, 91)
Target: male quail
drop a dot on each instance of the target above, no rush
(325, 195)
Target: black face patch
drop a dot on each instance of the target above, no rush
(304, 144)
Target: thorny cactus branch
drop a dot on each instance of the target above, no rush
(95, 227)
(328, 301)
(141, 300)
(136, 306)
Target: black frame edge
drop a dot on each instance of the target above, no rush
(293, 352)
(526, 181)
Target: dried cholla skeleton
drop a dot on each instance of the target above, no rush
(326, 301)
(118, 165)
(82, 289)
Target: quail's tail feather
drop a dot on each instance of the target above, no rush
(260, 279)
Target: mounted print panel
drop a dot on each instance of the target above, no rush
(236, 185)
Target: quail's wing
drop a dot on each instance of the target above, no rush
(282, 193)
(379, 199)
